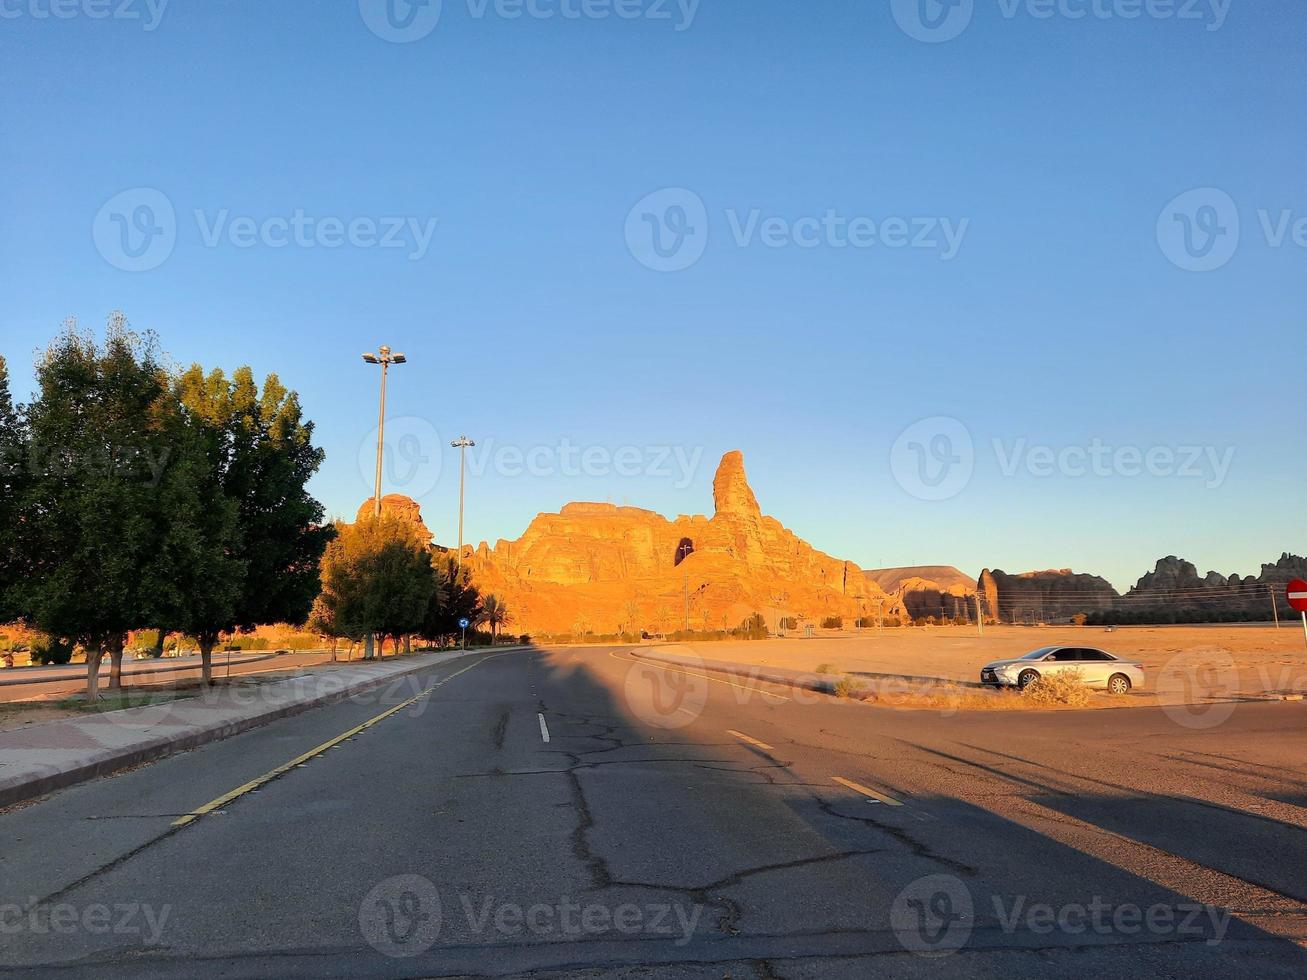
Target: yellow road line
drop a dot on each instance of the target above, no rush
(715, 680)
(748, 738)
(286, 767)
(867, 791)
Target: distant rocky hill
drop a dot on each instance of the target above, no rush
(926, 591)
(943, 576)
(601, 568)
(1055, 595)
(1174, 592)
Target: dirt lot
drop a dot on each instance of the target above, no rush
(1249, 660)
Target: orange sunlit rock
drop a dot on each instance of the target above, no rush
(600, 568)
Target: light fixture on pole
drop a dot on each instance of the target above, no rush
(385, 358)
(462, 444)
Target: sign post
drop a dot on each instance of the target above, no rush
(464, 623)
(1298, 600)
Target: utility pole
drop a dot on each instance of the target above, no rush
(462, 443)
(385, 359)
(1275, 608)
(687, 600)
(980, 617)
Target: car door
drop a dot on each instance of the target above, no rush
(1059, 661)
(1089, 664)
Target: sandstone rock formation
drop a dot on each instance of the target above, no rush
(396, 503)
(1043, 597)
(939, 591)
(602, 568)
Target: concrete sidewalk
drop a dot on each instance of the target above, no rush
(40, 758)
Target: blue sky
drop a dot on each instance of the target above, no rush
(1067, 315)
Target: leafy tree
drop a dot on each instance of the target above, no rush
(455, 599)
(263, 531)
(196, 581)
(12, 473)
(87, 518)
(377, 579)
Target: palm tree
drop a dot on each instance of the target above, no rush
(495, 612)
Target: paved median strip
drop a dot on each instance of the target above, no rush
(872, 795)
(544, 728)
(286, 767)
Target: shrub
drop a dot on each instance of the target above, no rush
(833, 623)
(1067, 687)
(524, 639)
(825, 668)
(845, 688)
(790, 623)
(51, 650)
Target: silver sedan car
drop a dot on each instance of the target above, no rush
(1097, 668)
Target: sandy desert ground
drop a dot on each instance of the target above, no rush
(1246, 660)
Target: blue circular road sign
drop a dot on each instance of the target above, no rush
(464, 624)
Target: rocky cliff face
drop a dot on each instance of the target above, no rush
(941, 591)
(1174, 592)
(396, 503)
(1050, 596)
(603, 568)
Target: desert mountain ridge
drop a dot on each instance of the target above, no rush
(604, 568)
(598, 567)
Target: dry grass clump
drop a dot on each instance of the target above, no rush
(1067, 687)
(827, 668)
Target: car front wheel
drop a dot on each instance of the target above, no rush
(1027, 678)
(1118, 684)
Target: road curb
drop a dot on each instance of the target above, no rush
(812, 682)
(24, 787)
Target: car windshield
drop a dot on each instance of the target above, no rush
(1039, 654)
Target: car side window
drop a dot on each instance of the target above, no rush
(1069, 654)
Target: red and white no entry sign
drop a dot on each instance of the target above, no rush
(1298, 595)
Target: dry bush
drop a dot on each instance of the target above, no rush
(1067, 687)
(825, 668)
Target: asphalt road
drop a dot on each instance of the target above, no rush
(572, 813)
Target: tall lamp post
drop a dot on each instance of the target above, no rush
(385, 359)
(462, 444)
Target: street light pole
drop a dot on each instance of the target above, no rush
(385, 359)
(462, 443)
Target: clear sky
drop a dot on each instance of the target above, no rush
(889, 266)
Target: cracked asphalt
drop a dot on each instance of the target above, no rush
(575, 813)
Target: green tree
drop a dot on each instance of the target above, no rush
(254, 456)
(377, 579)
(196, 581)
(88, 514)
(12, 473)
(455, 599)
